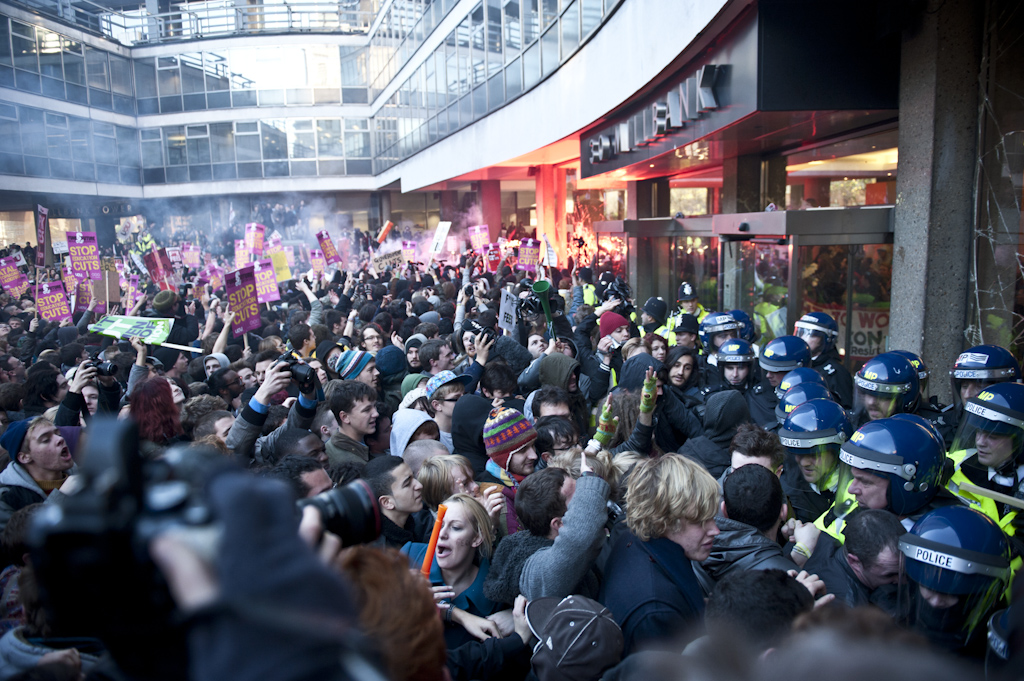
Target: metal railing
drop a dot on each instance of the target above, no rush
(217, 18)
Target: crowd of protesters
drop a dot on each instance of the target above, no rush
(598, 490)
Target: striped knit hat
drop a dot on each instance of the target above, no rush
(351, 363)
(505, 431)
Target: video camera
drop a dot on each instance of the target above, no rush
(620, 290)
(476, 328)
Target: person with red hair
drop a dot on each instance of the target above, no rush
(154, 411)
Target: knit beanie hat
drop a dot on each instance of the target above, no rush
(611, 321)
(411, 381)
(15, 435)
(351, 363)
(391, 361)
(165, 301)
(505, 431)
(415, 341)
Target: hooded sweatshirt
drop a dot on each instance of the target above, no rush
(403, 425)
(674, 424)
(556, 369)
(468, 420)
(726, 410)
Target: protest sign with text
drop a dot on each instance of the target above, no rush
(440, 235)
(152, 331)
(384, 260)
(243, 301)
(255, 236)
(12, 279)
(266, 281)
(316, 259)
(281, 270)
(52, 301)
(529, 255)
(42, 218)
(241, 253)
(327, 246)
(85, 255)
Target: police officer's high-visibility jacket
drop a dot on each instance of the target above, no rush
(673, 319)
(144, 243)
(590, 295)
(665, 331)
(1003, 515)
(833, 521)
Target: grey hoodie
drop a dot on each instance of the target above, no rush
(18, 490)
(403, 425)
(18, 655)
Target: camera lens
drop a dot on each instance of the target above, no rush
(351, 512)
(106, 369)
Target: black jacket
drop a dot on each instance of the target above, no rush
(829, 563)
(740, 547)
(726, 410)
(837, 377)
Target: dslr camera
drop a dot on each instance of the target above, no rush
(303, 374)
(472, 325)
(102, 368)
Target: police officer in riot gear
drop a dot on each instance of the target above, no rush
(897, 464)
(733, 369)
(748, 332)
(988, 453)
(885, 385)
(820, 332)
(778, 357)
(942, 416)
(715, 329)
(957, 564)
(798, 376)
(812, 435)
(980, 367)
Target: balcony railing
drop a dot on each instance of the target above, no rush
(217, 18)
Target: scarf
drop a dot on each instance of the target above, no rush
(507, 478)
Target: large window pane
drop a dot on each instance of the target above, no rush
(275, 140)
(193, 80)
(549, 44)
(5, 41)
(477, 43)
(120, 75)
(513, 29)
(591, 15)
(174, 145)
(216, 69)
(570, 25)
(49, 53)
(127, 147)
(145, 77)
(531, 21)
(168, 76)
(23, 42)
(357, 144)
(247, 147)
(301, 139)
(493, 45)
(548, 13)
(96, 68)
(222, 142)
(198, 150)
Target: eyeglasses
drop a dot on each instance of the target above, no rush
(373, 337)
(450, 399)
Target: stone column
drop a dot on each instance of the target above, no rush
(934, 211)
(490, 206)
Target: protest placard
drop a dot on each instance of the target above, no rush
(384, 231)
(327, 246)
(255, 235)
(52, 301)
(493, 258)
(479, 237)
(316, 259)
(384, 260)
(440, 235)
(151, 330)
(12, 279)
(266, 281)
(289, 252)
(85, 255)
(529, 255)
(281, 270)
(507, 310)
(133, 291)
(241, 254)
(42, 222)
(175, 255)
(409, 249)
(19, 259)
(190, 256)
(243, 301)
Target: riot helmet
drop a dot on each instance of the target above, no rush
(797, 395)
(887, 384)
(781, 355)
(993, 426)
(819, 330)
(980, 367)
(736, 363)
(922, 369)
(747, 330)
(958, 563)
(717, 326)
(798, 376)
(895, 464)
(813, 433)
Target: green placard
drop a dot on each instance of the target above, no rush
(152, 331)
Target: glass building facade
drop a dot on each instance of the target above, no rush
(336, 109)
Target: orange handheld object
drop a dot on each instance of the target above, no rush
(428, 559)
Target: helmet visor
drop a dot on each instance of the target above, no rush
(818, 464)
(992, 440)
(873, 401)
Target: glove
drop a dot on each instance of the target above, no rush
(649, 395)
(606, 426)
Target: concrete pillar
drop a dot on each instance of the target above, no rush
(490, 206)
(647, 199)
(741, 185)
(934, 213)
(773, 182)
(385, 206)
(546, 194)
(818, 188)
